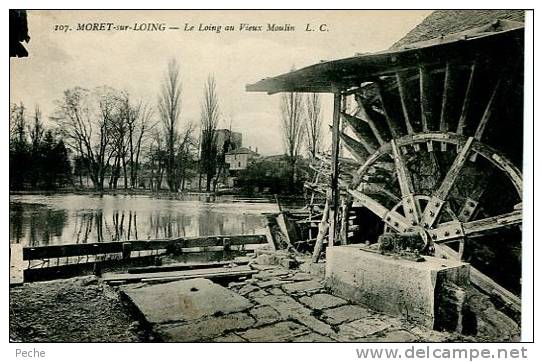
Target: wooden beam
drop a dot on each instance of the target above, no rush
(425, 99)
(402, 88)
(490, 107)
(374, 120)
(391, 218)
(446, 101)
(323, 230)
(356, 148)
(363, 132)
(433, 208)
(467, 100)
(483, 282)
(492, 224)
(16, 273)
(410, 205)
(211, 273)
(393, 125)
(334, 202)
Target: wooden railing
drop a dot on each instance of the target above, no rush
(21, 257)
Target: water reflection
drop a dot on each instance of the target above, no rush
(61, 219)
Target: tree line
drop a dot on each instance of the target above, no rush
(38, 158)
(106, 136)
(117, 141)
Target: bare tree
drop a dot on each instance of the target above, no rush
(169, 106)
(137, 118)
(85, 119)
(293, 129)
(313, 124)
(157, 160)
(209, 119)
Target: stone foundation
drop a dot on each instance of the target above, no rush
(430, 293)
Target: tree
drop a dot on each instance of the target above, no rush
(138, 122)
(18, 151)
(313, 124)
(169, 106)
(36, 131)
(293, 130)
(86, 119)
(209, 119)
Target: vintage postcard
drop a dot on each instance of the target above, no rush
(267, 176)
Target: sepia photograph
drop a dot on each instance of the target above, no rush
(241, 176)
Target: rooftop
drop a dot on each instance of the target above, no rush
(327, 77)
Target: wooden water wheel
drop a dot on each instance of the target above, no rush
(435, 130)
(438, 150)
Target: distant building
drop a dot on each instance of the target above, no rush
(227, 140)
(239, 158)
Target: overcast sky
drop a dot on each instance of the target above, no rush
(135, 61)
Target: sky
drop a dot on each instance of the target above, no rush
(136, 61)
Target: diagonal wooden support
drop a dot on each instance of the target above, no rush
(432, 210)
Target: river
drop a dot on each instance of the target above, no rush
(71, 218)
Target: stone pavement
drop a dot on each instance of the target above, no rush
(275, 305)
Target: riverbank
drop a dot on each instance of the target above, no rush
(81, 309)
(277, 304)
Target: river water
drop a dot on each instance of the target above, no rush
(70, 218)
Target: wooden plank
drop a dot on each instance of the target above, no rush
(68, 250)
(270, 237)
(491, 224)
(425, 99)
(285, 229)
(467, 100)
(363, 132)
(483, 282)
(184, 266)
(16, 274)
(355, 148)
(211, 273)
(59, 251)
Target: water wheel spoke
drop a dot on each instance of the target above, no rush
(363, 132)
(467, 100)
(392, 218)
(410, 205)
(433, 208)
(490, 107)
(404, 98)
(356, 148)
(374, 120)
(492, 224)
(393, 125)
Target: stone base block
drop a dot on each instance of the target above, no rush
(429, 292)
